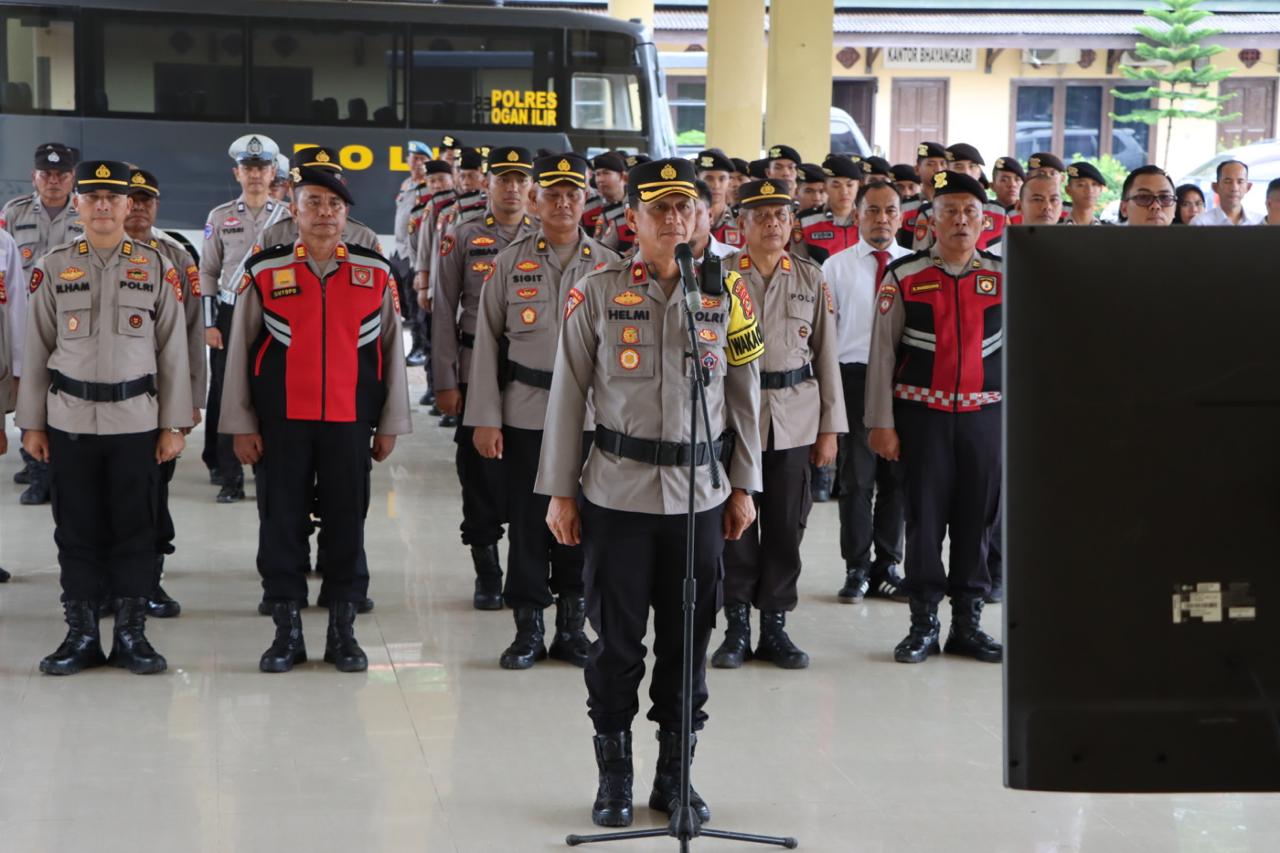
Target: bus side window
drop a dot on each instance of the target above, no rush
(40, 63)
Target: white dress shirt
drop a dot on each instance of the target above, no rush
(851, 277)
(1218, 216)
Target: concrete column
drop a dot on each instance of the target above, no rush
(799, 81)
(735, 76)
(628, 9)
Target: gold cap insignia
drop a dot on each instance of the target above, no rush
(1034, 162)
(1073, 171)
(1000, 163)
(102, 171)
(295, 174)
(767, 189)
(668, 172)
(513, 157)
(563, 165)
(775, 151)
(951, 158)
(322, 157)
(939, 180)
(922, 150)
(138, 179)
(448, 141)
(707, 162)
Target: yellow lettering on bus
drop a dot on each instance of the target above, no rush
(396, 159)
(356, 157)
(522, 108)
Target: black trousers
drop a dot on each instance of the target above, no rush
(953, 465)
(995, 549)
(635, 561)
(531, 549)
(165, 531)
(763, 567)
(484, 493)
(308, 464)
(871, 511)
(104, 491)
(219, 450)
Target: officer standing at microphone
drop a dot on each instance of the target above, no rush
(624, 342)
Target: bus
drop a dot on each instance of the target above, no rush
(152, 83)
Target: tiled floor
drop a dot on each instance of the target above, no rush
(437, 749)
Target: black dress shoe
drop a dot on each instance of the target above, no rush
(288, 648)
(130, 648)
(449, 421)
(231, 493)
(81, 649)
(427, 399)
(161, 606)
(36, 494)
(613, 794)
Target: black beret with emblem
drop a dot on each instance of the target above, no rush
(318, 175)
(56, 157)
(657, 178)
(713, 160)
(964, 151)
(756, 168)
(954, 183)
(438, 167)
(610, 160)
(1081, 169)
(740, 166)
(929, 150)
(449, 142)
(109, 175)
(759, 193)
(510, 159)
(1008, 164)
(472, 158)
(561, 169)
(316, 157)
(634, 160)
(839, 166)
(1045, 160)
(783, 152)
(142, 181)
(811, 173)
(905, 172)
(877, 166)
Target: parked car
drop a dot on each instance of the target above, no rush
(846, 136)
(1263, 159)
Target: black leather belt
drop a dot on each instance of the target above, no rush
(467, 340)
(654, 452)
(773, 380)
(103, 392)
(529, 376)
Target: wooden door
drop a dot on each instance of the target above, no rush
(919, 114)
(858, 99)
(1256, 102)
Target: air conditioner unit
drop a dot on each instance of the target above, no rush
(1132, 59)
(1038, 56)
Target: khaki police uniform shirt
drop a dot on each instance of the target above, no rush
(406, 200)
(466, 256)
(798, 319)
(35, 231)
(229, 233)
(523, 300)
(13, 306)
(105, 321)
(624, 341)
(237, 415)
(283, 229)
(177, 255)
(6, 340)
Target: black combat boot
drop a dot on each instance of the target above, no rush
(966, 637)
(922, 641)
(288, 648)
(488, 594)
(736, 648)
(529, 646)
(82, 649)
(23, 477)
(775, 645)
(160, 605)
(340, 647)
(571, 644)
(613, 795)
(666, 780)
(855, 585)
(129, 646)
(4, 576)
(36, 494)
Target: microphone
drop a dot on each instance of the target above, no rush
(688, 282)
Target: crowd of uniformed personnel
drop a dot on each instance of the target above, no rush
(842, 315)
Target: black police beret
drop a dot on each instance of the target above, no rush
(742, 167)
(1045, 160)
(634, 160)
(840, 166)
(440, 167)
(510, 159)
(561, 169)
(953, 183)
(109, 175)
(312, 176)
(877, 166)
(811, 173)
(904, 172)
(56, 157)
(1081, 169)
(658, 178)
(610, 160)
(964, 151)
(927, 150)
(472, 158)
(449, 142)
(316, 157)
(1008, 164)
(713, 160)
(756, 168)
(783, 152)
(759, 193)
(142, 181)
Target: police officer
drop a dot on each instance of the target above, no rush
(144, 204)
(280, 228)
(832, 228)
(801, 413)
(315, 367)
(8, 279)
(517, 327)
(408, 199)
(609, 177)
(466, 258)
(907, 180)
(105, 397)
(782, 163)
(612, 230)
(717, 171)
(811, 192)
(624, 341)
(38, 222)
(1084, 185)
(933, 400)
(931, 158)
(741, 174)
(1007, 177)
(437, 185)
(281, 185)
(965, 159)
(230, 232)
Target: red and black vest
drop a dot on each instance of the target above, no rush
(616, 215)
(950, 355)
(823, 236)
(318, 356)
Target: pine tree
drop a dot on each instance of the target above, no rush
(1179, 89)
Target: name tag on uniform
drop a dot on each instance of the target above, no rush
(283, 283)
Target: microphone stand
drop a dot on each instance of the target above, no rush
(685, 825)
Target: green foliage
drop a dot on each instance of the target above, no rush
(1113, 170)
(692, 137)
(1179, 89)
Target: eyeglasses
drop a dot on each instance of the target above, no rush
(1148, 199)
